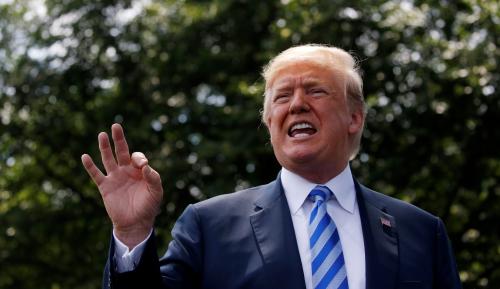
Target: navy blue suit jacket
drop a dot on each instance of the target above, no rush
(247, 240)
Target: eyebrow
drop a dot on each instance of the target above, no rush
(283, 82)
(312, 81)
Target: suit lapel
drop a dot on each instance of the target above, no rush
(381, 241)
(273, 230)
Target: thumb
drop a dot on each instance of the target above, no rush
(139, 160)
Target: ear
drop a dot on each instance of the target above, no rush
(266, 120)
(266, 114)
(357, 121)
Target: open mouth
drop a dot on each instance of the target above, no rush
(301, 129)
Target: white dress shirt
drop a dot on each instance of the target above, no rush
(126, 259)
(343, 209)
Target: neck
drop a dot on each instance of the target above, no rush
(319, 174)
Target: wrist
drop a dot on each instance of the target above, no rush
(132, 236)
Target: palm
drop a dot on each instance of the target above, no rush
(127, 197)
(131, 190)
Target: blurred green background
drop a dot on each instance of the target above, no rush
(183, 79)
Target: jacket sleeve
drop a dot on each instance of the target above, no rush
(445, 268)
(178, 268)
(145, 275)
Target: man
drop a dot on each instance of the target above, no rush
(314, 227)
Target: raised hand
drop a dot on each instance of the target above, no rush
(131, 189)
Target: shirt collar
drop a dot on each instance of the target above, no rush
(297, 189)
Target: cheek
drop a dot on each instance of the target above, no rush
(274, 132)
(276, 116)
(335, 126)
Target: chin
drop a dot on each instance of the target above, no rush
(300, 157)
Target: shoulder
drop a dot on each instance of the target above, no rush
(223, 214)
(395, 207)
(240, 201)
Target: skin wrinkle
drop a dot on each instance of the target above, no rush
(325, 150)
(336, 60)
(308, 82)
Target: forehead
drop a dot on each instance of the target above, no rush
(305, 73)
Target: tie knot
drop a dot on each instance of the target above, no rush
(320, 193)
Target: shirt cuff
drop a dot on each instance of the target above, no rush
(126, 260)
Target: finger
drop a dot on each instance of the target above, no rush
(121, 146)
(153, 180)
(108, 160)
(139, 160)
(94, 172)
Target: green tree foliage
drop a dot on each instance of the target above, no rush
(183, 78)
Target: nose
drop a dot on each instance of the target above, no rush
(299, 102)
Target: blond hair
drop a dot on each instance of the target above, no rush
(329, 57)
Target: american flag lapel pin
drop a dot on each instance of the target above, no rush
(385, 222)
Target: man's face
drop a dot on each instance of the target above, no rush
(310, 121)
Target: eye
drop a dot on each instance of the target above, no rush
(281, 97)
(317, 91)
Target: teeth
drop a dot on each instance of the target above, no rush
(301, 125)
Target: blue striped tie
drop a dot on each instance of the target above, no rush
(328, 266)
